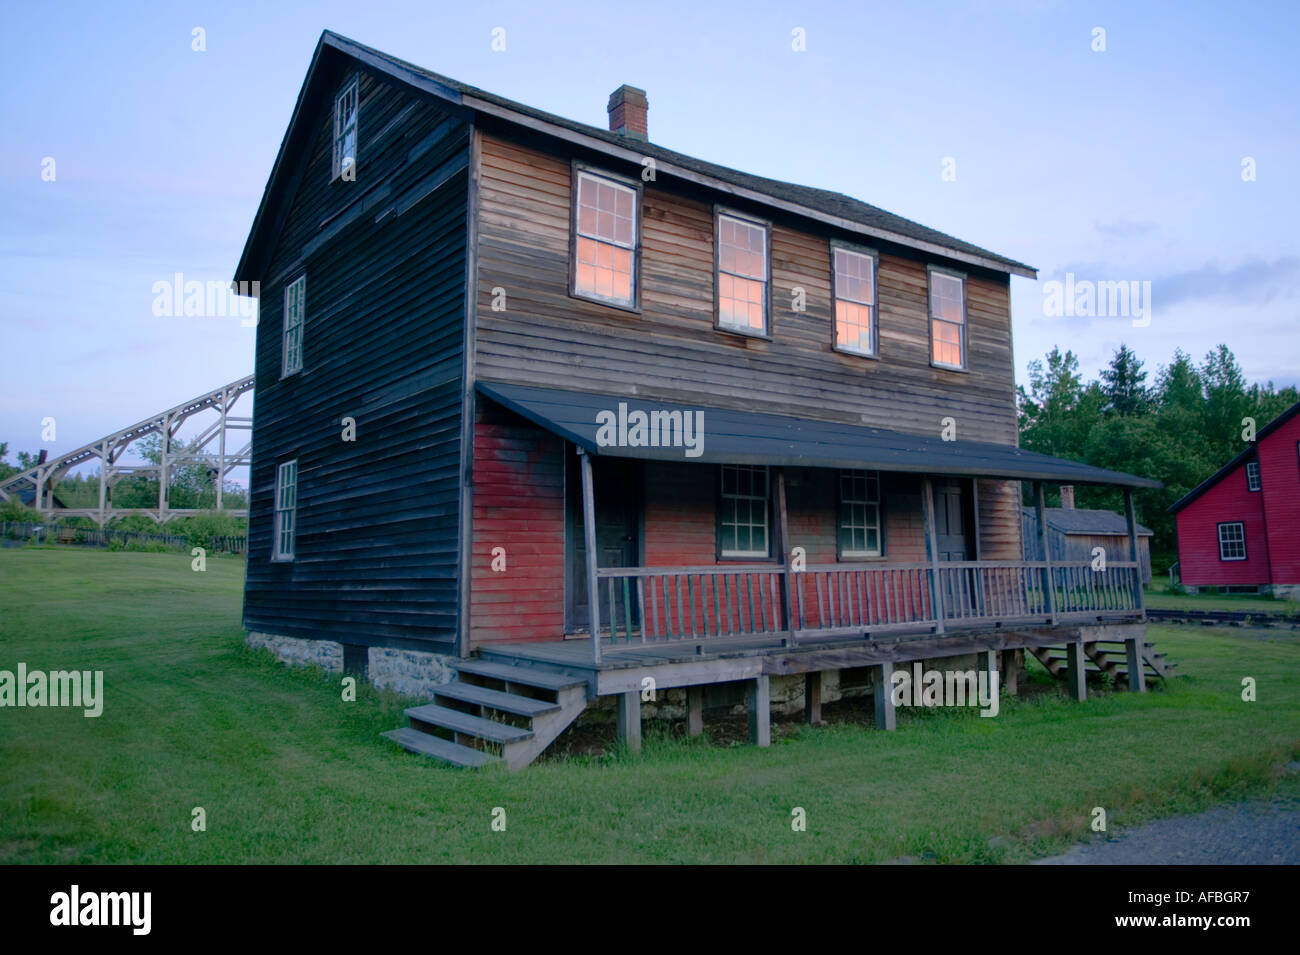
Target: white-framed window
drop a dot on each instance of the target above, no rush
(1232, 541)
(742, 275)
(606, 234)
(295, 312)
(1252, 476)
(743, 515)
(947, 319)
(859, 514)
(345, 128)
(855, 300)
(286, 510)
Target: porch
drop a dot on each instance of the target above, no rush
(779, 547)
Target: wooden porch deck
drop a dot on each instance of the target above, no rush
(623, 666)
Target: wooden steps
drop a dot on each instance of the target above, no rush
(1105, 657)
(493, 713)
(439, 748)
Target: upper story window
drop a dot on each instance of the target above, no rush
(345, 129)
(1232, 541)
(743, 516)
(859, 517)
(286, 510)
(855, 300)
(1252, 476)
(606, 232)
(742, 275)
(295, 310)
(947, 319)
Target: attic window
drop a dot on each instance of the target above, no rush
(345, 130)
(1252, 476)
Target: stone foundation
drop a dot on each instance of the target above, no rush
(408, 672)
(325, 654)
(1286, 591)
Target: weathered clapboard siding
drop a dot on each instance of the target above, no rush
(377, 519)
(671, 350)
(518, 480)
(999, 520)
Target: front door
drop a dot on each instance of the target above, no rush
(950, 520)
(953, 525)
(617, 483)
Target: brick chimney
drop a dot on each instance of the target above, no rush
(1067, 497)
(627, 112)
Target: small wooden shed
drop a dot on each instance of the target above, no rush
(1074, 532)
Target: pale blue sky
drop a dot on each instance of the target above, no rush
(1123, 164)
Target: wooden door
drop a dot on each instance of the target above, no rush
(617, 484)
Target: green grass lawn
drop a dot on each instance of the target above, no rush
(1160, 597)
(288, 772)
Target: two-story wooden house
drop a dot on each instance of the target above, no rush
(545, 411)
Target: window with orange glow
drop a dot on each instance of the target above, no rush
(947, 320)
(742, 275)
(605, 256)
(855, 301)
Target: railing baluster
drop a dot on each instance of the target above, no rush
(613, 613)
(681, 625)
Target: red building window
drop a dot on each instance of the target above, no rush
(1232, 541)
(1252, 476)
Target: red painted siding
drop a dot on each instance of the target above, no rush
(519, 505)
(1198, 535)
(1279, 469)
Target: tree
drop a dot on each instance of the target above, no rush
(1123, 384)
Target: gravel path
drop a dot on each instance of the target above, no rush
(1249, 833)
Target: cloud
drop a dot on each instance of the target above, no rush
(1124, 228)
(1253, 282)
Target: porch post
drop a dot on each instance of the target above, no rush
(760, 711)
(1076, 677)
(787, 579)
(1049, 589)
(694, 710)
(589, 536)
(1130, 513)
(1137, 677)
(629, 720)
(1010, 671)
(812, 697)
(932, 537)
(882, 695)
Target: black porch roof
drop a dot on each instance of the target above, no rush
(745, 437)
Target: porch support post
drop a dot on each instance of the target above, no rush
(787, 579)
(1010, 671)
(932, 539)
(760, 711)
(589, 537)
(812, 697)
(1076, 677)
(1137, 677)
(1049, 589)
(1130, 513)
(988, 660)
(694, 710)
(882, 693)
(629, 720)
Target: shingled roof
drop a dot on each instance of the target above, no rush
(824, 205)
(1076, 520)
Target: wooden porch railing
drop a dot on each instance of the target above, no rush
(643, 606)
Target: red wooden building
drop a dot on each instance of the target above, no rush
(1240, 528)
(619, 414)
